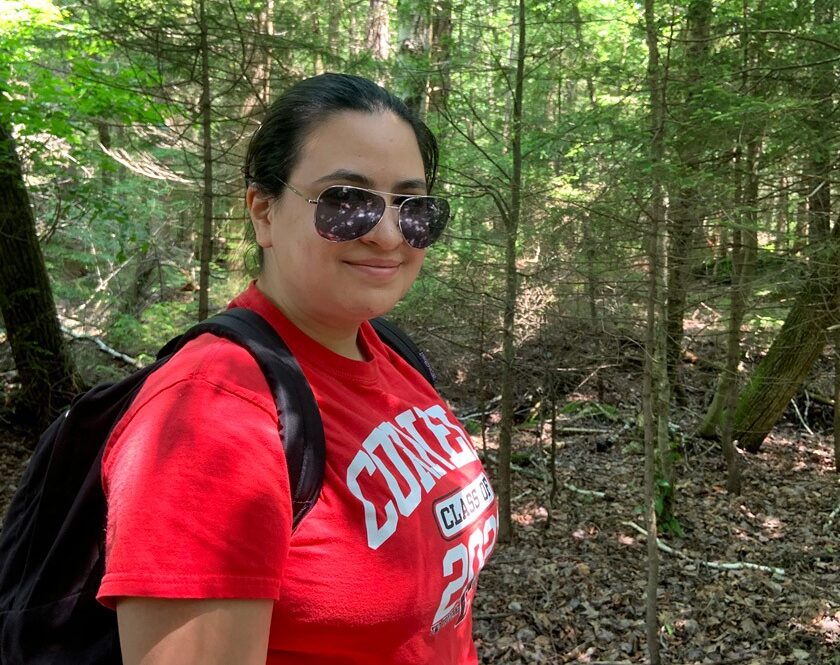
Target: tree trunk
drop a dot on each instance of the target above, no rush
(649, 388)
(837, 399)
(440, 52)
(206, 250)
(378, 31)
(803, 335)
(317, 60)
(681, 222)
(821, 153)
(46, 371)
(413, 34)
(782, 213)
(590, 245)
(744, 252)
(686, 215)
(794, 351)
(511, 287)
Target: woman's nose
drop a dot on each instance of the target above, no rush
(387, 232)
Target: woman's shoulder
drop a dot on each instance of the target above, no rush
(205, 373)
(214, 360)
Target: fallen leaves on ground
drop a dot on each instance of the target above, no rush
(574, 591)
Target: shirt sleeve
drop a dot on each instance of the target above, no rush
(198, 496)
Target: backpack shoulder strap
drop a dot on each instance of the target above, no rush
(299, 416)
(400, 342)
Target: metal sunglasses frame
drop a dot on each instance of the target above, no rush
(379, 193)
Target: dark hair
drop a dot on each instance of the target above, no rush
(275, 147)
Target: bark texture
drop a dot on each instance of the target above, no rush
(440, 52)
(794, 351)
(511, 286)
(686, 214)
(650, 390)
(378, 30)
(47, 375)
(206, 249)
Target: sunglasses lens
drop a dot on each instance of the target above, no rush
(422, 220)
(347, 213)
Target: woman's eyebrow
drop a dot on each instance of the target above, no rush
(403, 185)
(348, 176)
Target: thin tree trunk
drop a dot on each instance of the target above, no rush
(821, 154)
(352, 35)
(666, 489)
(46, 371)
(206, 250)
(744, 254)
(480, 379)
(511, 287)
(782, 216)
(317, 60)
(413, 35)
(335, 12)
(743, 262)
(681, 222)
(552, 461)
(440, 52)
(590, 245)
(649, 389)
(837, 398)
(685, 217)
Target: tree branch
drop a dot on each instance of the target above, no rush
(778, 572)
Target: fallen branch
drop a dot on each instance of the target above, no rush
(801, 419)
(779, 572)
(528, 472)
(572, 488)
(103, 347)
(818, 398)
(486, 410)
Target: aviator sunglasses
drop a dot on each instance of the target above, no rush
(344, 212)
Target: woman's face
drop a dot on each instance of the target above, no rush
(340, 284)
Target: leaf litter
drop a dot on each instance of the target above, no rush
(574, 591)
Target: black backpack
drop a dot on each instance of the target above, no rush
(52, 544)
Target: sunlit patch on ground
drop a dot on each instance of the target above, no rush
(828, 625)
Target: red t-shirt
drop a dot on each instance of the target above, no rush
(382, 570)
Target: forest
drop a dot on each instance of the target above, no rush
(634, 311)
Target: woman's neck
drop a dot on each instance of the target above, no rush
(342, 340)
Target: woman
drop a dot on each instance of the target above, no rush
(201, 562)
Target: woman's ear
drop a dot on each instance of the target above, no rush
(259, 207)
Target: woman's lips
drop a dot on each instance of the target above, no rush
(375, 268)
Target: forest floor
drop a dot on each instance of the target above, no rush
(572, 591)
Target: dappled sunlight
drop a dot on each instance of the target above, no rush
(825, 625)
(588, 533)
(769, 527)
(828, 625)
(628, 541)
(772, 524)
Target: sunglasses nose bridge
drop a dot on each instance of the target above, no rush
(391, 216)
(387, 230)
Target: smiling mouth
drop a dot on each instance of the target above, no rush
(375, 269)
(375, 263)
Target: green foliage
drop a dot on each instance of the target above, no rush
(159, 323)
(590, 409)
(473, 427)
(663, 499)
(521, 458)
